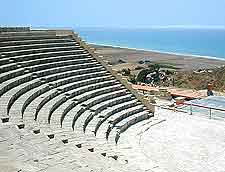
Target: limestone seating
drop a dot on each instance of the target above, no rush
(5, 49)
(21, 92)
(64, 75)
(101, 98)
(74, 92)
(129, 122)
(98, 144)
(56, 153)
(7, 75)
(30, 63)
(42, 50)
(14, 29)
(82, 89)
(36, 66)
(114, 92)
(127, 114)
(70, 142)
(88, 95)
(71, 86)
(39, 41)
(40, 67)
(116, 118)
(76, 75)
(6, 60)
(57, 68)
(82, 73)
(56, 81)
(104, 129)
(112, 111)
(27, 33)
(101, 106)
(36, 37)
(29, 77)
(89, 84)
(78, 136)
(36, 84)
(124, 124)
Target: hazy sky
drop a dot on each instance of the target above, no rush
(112, 13)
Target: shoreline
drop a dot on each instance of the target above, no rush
(160, 52)
(133, 56)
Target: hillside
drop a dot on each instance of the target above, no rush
(199, 79)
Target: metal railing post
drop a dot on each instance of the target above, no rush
(210, 113)
(191, 109)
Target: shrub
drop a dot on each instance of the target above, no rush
(147, 61)
(139, 68)
(121, 61)
(141, 62)
(169, 72)
(141, 77)
(126, 72)
(154, 67)
(132, 79)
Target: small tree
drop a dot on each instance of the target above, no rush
(132, 79)
(154, 67)
(141, 77)
(126, 72)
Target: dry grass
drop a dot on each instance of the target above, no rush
(200, 81)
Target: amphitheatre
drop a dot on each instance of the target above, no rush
(63, 108)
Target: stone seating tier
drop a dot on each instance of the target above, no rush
(61, 103)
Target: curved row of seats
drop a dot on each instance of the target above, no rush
(46, 77)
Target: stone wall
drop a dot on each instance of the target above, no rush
(14, 29)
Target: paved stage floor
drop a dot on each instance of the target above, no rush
(178, 142)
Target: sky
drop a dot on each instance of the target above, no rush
(112, 13)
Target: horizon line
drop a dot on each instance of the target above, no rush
(158, 27)
(221, 27)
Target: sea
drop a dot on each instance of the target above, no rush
(204, 42)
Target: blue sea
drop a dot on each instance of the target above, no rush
(199, 42)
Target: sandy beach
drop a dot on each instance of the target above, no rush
(133, 56)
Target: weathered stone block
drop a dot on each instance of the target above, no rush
(21, 126)
(51, 136)
(5, 119)
(91, 149)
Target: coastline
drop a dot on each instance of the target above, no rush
(158, 51)
(132, 57)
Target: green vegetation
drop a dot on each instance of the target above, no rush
(154, 66)
(163, 65)
(132, 79)
(141, 77)
(139, 67)
(125, 72)
(152, 74)
(167, 75)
